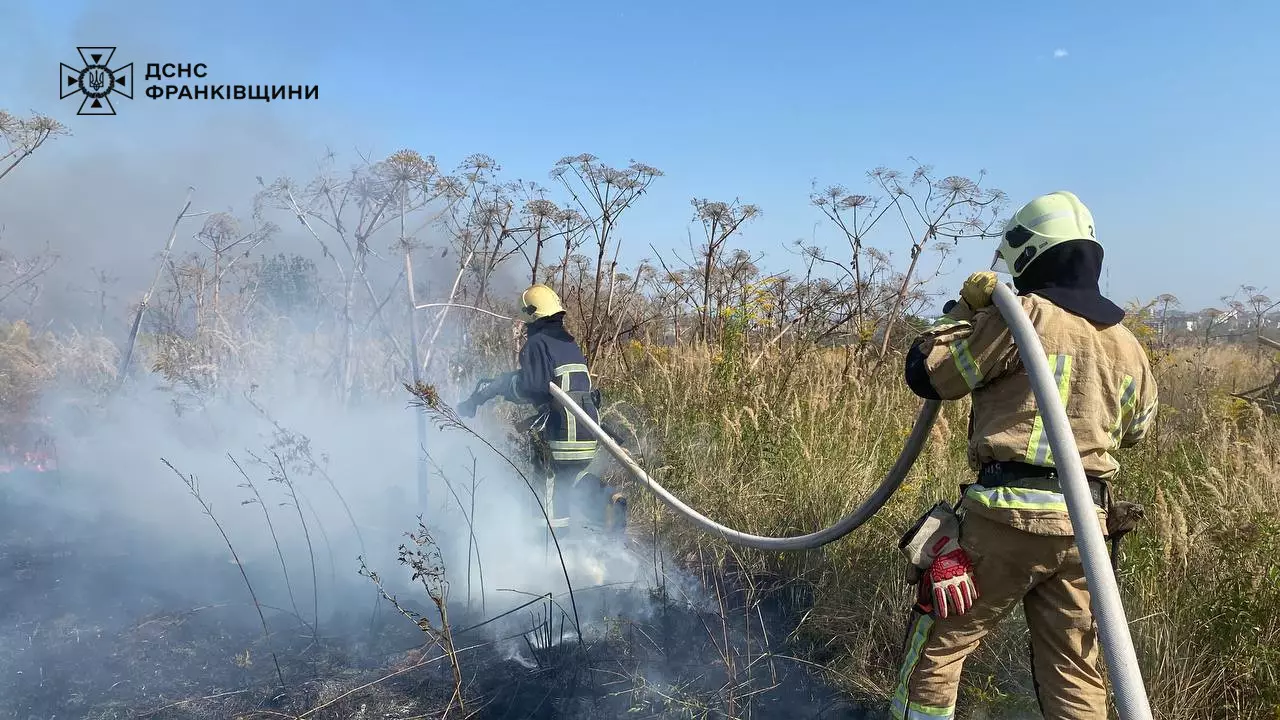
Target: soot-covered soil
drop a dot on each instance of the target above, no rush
(105, 628)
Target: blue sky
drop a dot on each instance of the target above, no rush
(1162, 118)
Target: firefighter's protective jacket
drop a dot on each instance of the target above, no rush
(550, 354)
(1104, 379)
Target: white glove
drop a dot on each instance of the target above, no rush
(936, 533)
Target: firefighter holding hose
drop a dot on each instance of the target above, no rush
(1009, 539)
(562, 451)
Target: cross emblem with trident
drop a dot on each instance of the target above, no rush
(96, 81)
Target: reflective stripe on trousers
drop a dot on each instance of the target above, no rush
(1044, 575)
(902, 708)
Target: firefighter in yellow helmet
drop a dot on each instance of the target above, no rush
(563, 452)
(1009, 540)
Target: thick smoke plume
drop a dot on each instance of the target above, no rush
(238, 505)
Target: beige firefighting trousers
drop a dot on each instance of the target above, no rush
(1045, 574)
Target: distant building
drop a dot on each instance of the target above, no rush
(1233, 325)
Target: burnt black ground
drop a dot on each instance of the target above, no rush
(75, 644)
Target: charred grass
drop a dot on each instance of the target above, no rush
(198, 652)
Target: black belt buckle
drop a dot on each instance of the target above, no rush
(999, 474)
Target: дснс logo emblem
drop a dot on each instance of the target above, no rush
(97, 81)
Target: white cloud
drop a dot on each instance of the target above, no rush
(1059, 54)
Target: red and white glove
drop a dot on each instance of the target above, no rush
(951, 580)
(943, 569)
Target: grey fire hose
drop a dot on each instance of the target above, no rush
(1104, 594)
(1108, 610)
(846, 524)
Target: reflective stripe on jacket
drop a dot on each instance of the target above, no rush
(1103, 378)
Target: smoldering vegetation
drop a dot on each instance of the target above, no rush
(238, 522)
(108, 620)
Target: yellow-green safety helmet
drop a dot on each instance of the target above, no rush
(538, 302)
(1039, 225)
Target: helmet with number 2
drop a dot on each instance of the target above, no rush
(1044, 222)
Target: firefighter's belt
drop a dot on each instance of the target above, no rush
(1032, 477)
(538, 422)
(587, 399)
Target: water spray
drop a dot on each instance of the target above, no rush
(1113, 627)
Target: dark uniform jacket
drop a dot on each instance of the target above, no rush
(551, 354)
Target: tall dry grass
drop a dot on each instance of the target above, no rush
(790, 442)
(798, 441)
